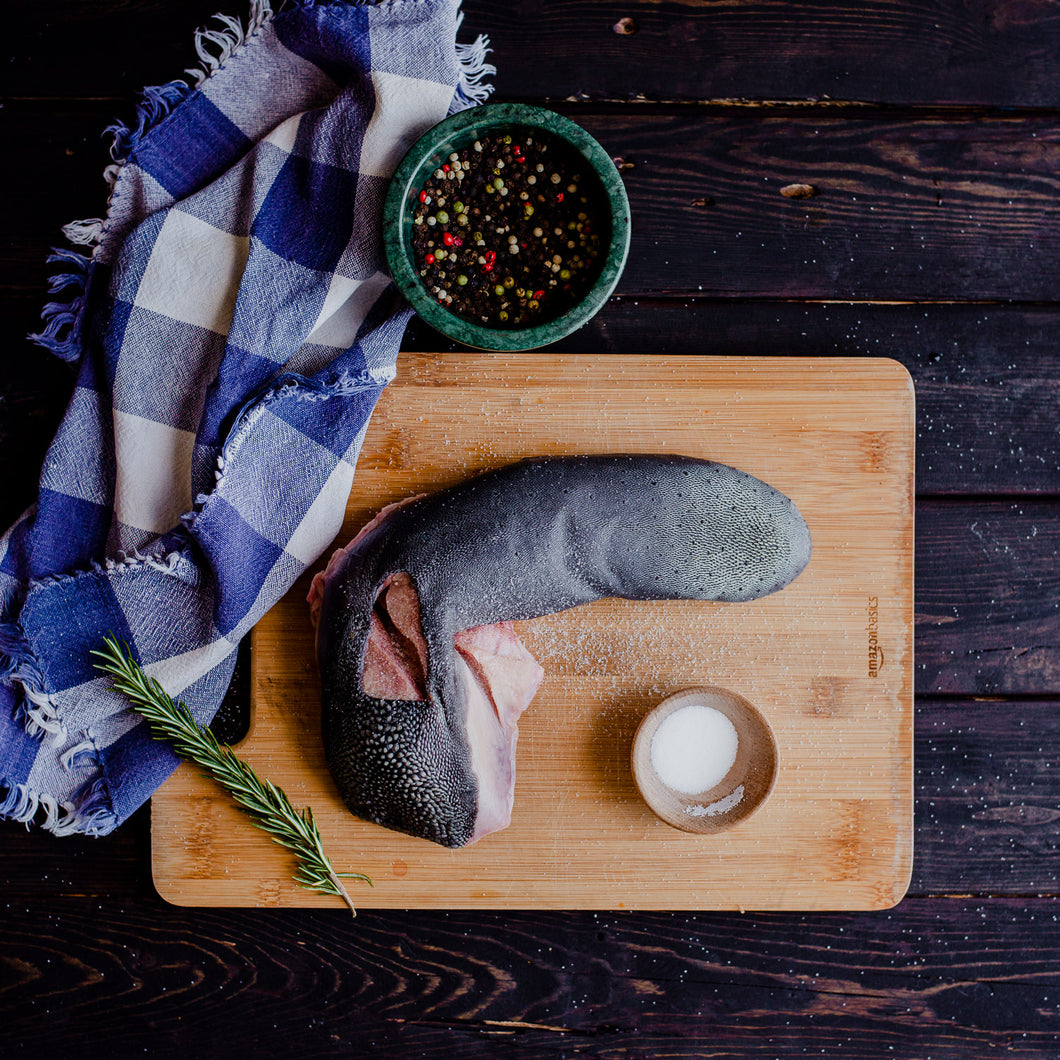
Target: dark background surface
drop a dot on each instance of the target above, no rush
(931, 132)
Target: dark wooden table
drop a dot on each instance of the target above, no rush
(931, 134)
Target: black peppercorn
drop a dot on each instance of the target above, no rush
(531, 254)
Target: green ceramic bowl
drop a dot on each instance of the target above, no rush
(456, 133)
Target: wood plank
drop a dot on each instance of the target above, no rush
(998, 436)
(897, 53)
(999, 647)
(948, 979)
(987, 377)
(987, 598)
(988, 797)
(835, 436)
(986, 789)
(907, 207)
(38, 867)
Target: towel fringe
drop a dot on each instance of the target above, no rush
(62, 320)
(81, 755)
(18, 665)
(38, 712)
(157, 102)
(226, 39)
(84, 233)
(472, 88)
(62, 333)
(94, 815)
(90, 815)
(166, 563)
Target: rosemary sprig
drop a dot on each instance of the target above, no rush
(266, 803)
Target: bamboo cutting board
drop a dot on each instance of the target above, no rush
(828, 661)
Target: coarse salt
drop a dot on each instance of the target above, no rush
(693, 748)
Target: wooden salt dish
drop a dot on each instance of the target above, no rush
(742, 789)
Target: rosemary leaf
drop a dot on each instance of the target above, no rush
(266, 804)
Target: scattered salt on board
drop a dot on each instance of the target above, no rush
(693, 748)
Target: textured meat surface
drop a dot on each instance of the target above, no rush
(423, 678)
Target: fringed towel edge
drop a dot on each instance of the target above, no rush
(18, 665)
(472, 88)
(62, 332)
(90, 811)
(89, 814)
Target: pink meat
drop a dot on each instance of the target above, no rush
(498, 678)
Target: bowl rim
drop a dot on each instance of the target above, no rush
(499, 115)
(662, 800)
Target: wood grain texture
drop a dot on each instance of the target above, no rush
(889, 220)
(688, 50)
(985, 816)
(909, 207)
(943, 51)
(988, 598)
(90, 958)
(949, 979)
(836, 436)
(987, 376)
(987, 806)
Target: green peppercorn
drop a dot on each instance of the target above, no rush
(461, 280)
(442, 216)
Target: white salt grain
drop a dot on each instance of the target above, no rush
(721, 806)
(693, 748)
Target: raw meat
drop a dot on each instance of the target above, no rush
(423, 676)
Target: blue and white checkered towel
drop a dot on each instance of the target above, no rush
(235, 325)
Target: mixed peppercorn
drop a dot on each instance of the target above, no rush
(507, 231)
